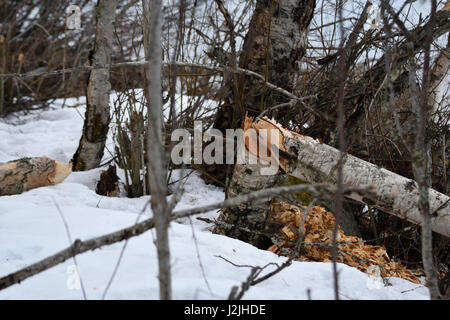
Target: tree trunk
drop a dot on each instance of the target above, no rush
(96, 123)
(157, 168)
(438, 77)
(28, 173)
(315, 162)
(273, 46)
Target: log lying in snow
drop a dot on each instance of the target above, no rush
(27, 173)
(315, 162)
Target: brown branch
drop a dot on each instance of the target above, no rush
(166, 64)
(347, 52)
(409, 36)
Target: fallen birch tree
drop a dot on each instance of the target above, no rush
(314, 162)
(28, 173)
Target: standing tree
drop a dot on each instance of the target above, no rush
(157, 177)
(96, 122)
(274, 45)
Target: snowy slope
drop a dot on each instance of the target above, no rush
(31, 229)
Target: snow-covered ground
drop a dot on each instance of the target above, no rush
(31, 228)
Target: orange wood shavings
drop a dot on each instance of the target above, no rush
(318, 230)
(256, 139)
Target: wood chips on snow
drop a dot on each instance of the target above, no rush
(318, 235)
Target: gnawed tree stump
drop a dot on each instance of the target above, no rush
(248, 222)
(24, 174)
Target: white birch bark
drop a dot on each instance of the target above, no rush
(275, 42)
(97, 118)
(438, 78)
(316, 162)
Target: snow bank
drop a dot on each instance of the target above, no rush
(31, 229)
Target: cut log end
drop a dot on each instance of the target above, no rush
(24, 174)
(62, 171)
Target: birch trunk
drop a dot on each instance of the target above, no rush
(315, 162)
(96, 123)
(274, 44)
(438, 78)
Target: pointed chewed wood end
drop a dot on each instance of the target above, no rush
(261, 144)
(24, 174)
(61, 172)
(312, 161)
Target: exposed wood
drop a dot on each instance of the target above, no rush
(28, 173)
(315, 162)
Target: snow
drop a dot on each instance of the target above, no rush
(31, 228)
